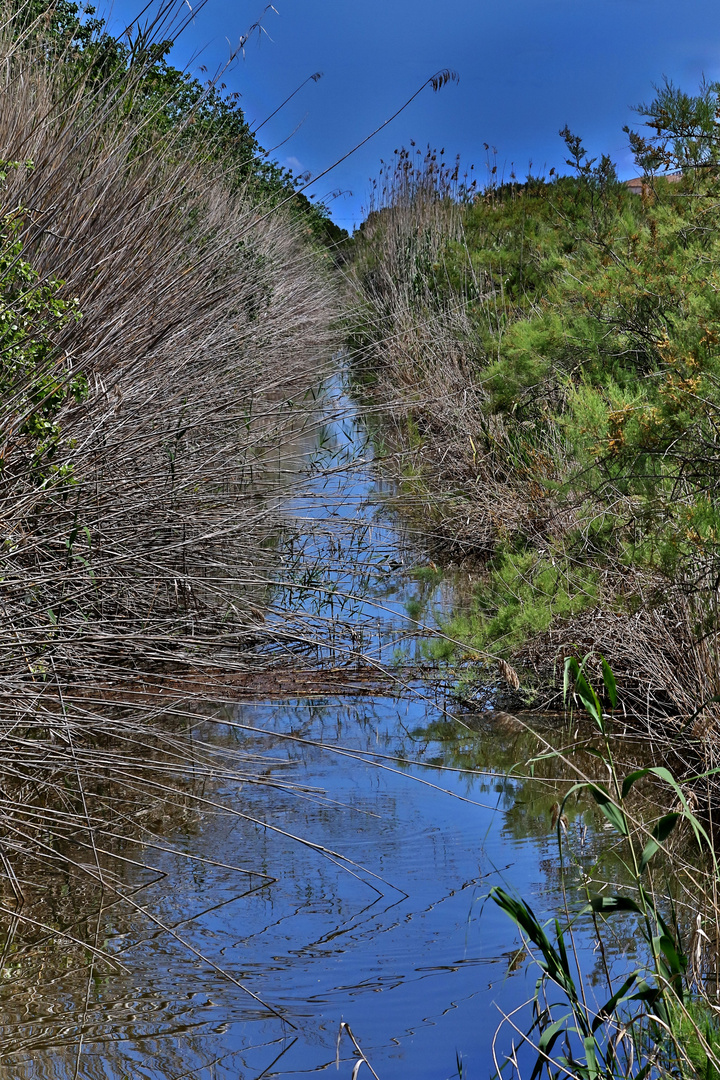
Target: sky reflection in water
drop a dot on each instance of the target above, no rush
(364, 898)
(395, 938)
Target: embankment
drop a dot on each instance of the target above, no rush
(547, 354)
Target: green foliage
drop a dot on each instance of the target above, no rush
(684, 128)
(62, 23)
(35, 380)
(590, 327)
(649, 1024)
(520, 597)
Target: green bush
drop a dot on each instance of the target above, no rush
(521, 596)
(36, 380)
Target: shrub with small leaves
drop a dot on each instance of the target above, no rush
(36, 377)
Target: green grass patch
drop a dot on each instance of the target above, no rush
(522, 595)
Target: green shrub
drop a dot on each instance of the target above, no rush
(36, 380)
(521, 596)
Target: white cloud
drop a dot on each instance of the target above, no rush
(294, 164)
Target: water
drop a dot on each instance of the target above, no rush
(344, 878)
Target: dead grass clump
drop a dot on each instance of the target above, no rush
(203, 322)
(138, 516)
(480, 474)
(665, 667)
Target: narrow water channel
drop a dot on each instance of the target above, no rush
(345, 878)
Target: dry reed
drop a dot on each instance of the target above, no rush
(414, 337)
(145, 542)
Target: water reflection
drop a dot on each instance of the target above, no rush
(363, 900)
(329, 861)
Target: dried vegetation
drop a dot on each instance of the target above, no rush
(161, 333)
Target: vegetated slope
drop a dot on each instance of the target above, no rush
(161, 318)
(157, 317)
(552, 354)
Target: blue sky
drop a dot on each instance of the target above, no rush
(526, 68)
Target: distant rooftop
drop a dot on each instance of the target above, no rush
(638, 182)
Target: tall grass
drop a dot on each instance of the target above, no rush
(202, 319)
(404, 311)
(140, 486)
(421, 294)
(660, 1017)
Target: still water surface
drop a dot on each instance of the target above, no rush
(362, 897)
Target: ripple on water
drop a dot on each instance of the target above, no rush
(392, 934)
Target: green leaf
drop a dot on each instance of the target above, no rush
(613, 903)
(649, 995)
(700, 834)
(610, 684)
(589, 699)
(606, 1011)
(676, 961)
(659, 834)
(575, 681)
(631, 779)
(549, 1036)
(612, 812)
(550, 960)
(570, 673)
(591, 1057)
